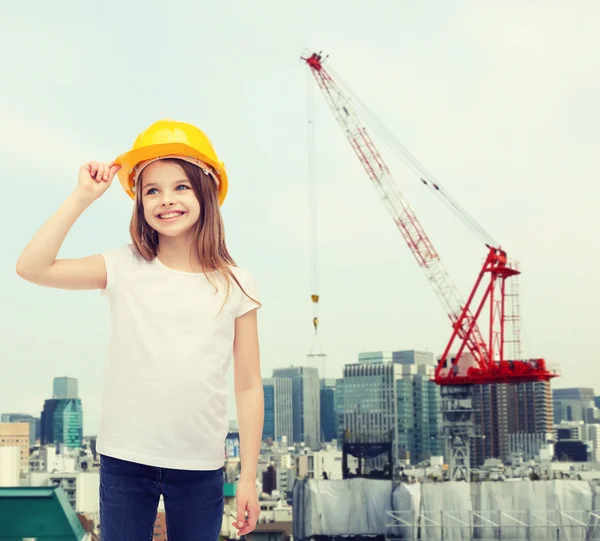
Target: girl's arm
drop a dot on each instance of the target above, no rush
(38, 263)
(249, 400)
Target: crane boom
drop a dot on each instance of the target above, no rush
(401, 212)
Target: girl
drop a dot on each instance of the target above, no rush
(180, 309)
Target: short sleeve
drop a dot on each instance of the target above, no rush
(115, 261)
(249, 284)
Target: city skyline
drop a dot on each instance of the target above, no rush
(571, 396)
(500, 111)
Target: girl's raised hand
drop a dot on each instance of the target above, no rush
(96, 177)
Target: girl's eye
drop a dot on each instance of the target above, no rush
(152, 191)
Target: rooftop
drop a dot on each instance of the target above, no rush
(39, 513)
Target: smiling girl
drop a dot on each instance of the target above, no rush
(181, 310)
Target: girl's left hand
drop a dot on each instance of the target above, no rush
(247, 501)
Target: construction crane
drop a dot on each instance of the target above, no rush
(468, 359)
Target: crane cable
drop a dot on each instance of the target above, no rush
(316, 349)
(424, 176)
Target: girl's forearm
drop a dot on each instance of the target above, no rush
(250, 413)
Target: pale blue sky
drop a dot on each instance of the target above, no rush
(499, 101)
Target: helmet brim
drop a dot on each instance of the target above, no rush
(130, 159)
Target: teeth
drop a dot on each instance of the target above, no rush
(170, 215)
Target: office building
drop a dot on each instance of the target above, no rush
(62, 417)
(306, 409)
(339, 408)
(383, 396)
(278, 421)
(329, 421)
(62, 422)
(507, 415)
(369, 402)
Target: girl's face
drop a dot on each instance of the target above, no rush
(170, 204)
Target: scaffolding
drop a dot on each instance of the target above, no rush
(493, 525)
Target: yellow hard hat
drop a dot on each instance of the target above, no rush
(170, 138)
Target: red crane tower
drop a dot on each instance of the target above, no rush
(476, 360)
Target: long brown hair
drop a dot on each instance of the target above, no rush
(210, 246)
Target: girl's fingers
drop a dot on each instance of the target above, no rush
(113, 171)
(102, 172)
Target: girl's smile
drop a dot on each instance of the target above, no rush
(171, 216)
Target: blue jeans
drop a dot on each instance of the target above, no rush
(129, 496)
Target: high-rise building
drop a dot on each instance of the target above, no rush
(329, 421)
(488, 402)
(530, 408)
(306, 409)
(65, 388)
(62, 416)
(593, 437)
(62, 422)
(509, 415)
(339, 408)
(385, 393)
(369, 406)
(68, 423)
(278, 420)
(47, 421)
(419, 417)
(574, 404)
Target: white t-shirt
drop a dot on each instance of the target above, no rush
(164, 396)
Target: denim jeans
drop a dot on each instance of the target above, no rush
(129, 496)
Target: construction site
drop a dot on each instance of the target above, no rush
(488, 390)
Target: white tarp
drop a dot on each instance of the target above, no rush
(561, 510)
(534, 510)
(404, 514)
(341, 507)
(454, 499)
